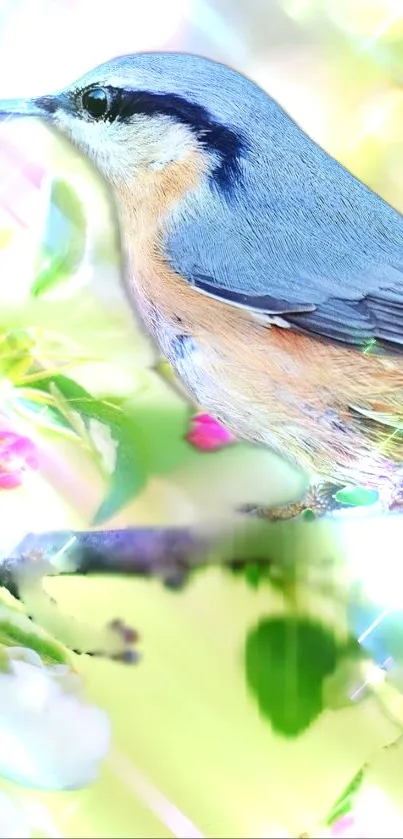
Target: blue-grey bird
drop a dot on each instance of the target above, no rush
(269, 276)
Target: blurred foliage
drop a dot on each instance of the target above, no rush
(17, 630)
(346, 800)
(16, 354)
(296, 666)
(290, 657)
(64, 238)
(287, 660)
(79, 408)
(165, 430)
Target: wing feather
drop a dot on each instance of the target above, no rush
(300, 237)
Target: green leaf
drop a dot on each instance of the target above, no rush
(17, 630)
(286, 660)
(128, 478)
(16, 369)
(166, 426)
(345, 801)
(356, 496)
(39, 408)
(49, 276)
(70, 389)
(13, 635)
(65, 238)
(254, 573)
(256, 553)
(16, 354)
(132, 462)
(5, 664)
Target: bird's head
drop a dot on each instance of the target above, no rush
(147, 111)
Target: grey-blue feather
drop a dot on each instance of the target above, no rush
(296, 231)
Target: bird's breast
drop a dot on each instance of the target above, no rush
(304, 398)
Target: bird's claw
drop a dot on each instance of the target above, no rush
(395, 504)
(279, 513)
(318, 501)
(121, 643)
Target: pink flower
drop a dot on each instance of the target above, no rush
(347, 828)
(207, 434)
(17, 454)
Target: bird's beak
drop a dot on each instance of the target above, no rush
(41, 108)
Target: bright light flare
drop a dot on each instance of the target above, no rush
(375, 816)
(372, 548)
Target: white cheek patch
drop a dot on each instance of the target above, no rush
(174, 142)
(119, 149)
(86, 136)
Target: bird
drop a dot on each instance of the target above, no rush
(268, 275)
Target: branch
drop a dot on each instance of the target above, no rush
(169, 554)
(166, 553)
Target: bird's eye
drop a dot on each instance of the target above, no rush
(95, 102)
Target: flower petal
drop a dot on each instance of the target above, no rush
(21, 447)
(50, 736)
(207, 434)
(17, 453)
(10, 480)
(13, 823)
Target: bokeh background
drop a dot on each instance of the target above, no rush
(191, 757)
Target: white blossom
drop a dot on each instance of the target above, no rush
(50, 736)
(13, 824)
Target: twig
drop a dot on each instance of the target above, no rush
(166, 553)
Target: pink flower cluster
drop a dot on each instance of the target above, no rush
(346, 828)
(17, 455)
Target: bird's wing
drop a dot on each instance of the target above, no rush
(375, 321)
(319, 249)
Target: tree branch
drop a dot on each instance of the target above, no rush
(166, 553)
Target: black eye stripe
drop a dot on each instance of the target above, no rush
(124, 104)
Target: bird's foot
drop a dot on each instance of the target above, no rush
(116, 642)
(121, 646)
(317, 502)
(395, 502)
